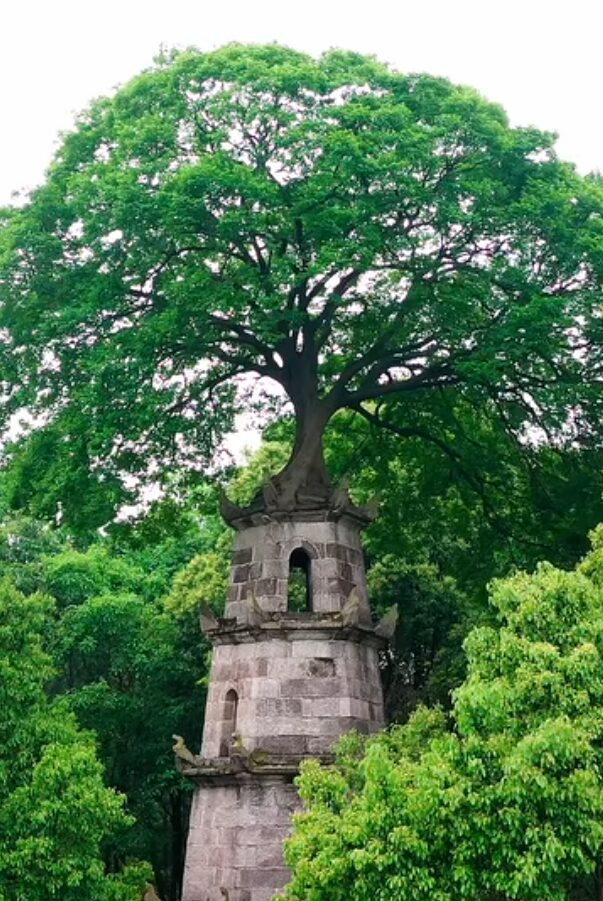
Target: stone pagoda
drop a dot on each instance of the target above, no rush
(295, 665)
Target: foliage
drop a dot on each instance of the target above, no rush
(52, 475)
(203, 581)
(132, 674)
(127, 668)
(592, 565)
(73, 577)
(55, 812)
(362, 238)
(270, 457)
(424, 660)
(508, 806)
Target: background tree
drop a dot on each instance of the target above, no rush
(128, 668)
(508, 805)
(361, 238)
(56, 814)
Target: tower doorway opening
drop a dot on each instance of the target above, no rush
(299, 593)
(229, 721)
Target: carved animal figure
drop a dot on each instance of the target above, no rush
(386, 626)
(237, 751)
(181, 751)
(350, 613)
(208, 620)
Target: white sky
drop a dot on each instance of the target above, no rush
(540, 58)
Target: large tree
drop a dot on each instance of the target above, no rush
(355, 236)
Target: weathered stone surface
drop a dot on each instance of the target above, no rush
(284, 685)
(278, 682)
(261, 563)
(235, 841)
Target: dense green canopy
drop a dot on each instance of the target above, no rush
(56, 815)
(355, 235)
(508, 806)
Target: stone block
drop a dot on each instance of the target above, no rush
(279, 707)
(274, 569)
(266, 877)
(319, 745)
(271, 550)
(265, 688)
(265, 587)
(320, 667)
(287, 744)
(311, 688)
(321, 707)
(326, 602)
(325, 568)
(242, 555)
(286, 669)
(352, 707)
(247, 538)
(241, 573)
(270, 856)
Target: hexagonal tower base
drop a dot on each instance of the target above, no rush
(284, 685)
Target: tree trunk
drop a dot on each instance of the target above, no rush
(304, 483)
(305, 480)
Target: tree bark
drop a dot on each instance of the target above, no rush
(305, 479)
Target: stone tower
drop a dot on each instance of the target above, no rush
(295, 665)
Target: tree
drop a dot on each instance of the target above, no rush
(56, 814)
(360, 238)
(124, 666)
(506, 806)
(131, 674)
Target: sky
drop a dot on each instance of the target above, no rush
(539, 58)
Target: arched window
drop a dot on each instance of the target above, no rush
(299, 594)
(229, 721)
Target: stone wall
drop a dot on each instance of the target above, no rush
(261, 564)
(234, 850)
(296, 694)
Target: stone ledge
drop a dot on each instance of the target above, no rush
(294, 627)
(229, 770)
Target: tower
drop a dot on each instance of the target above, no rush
(295, 665)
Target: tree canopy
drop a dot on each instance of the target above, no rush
(56, 815)
(356, 236)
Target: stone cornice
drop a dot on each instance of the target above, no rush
(293, 627)
(266, 508)
(258, 764)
